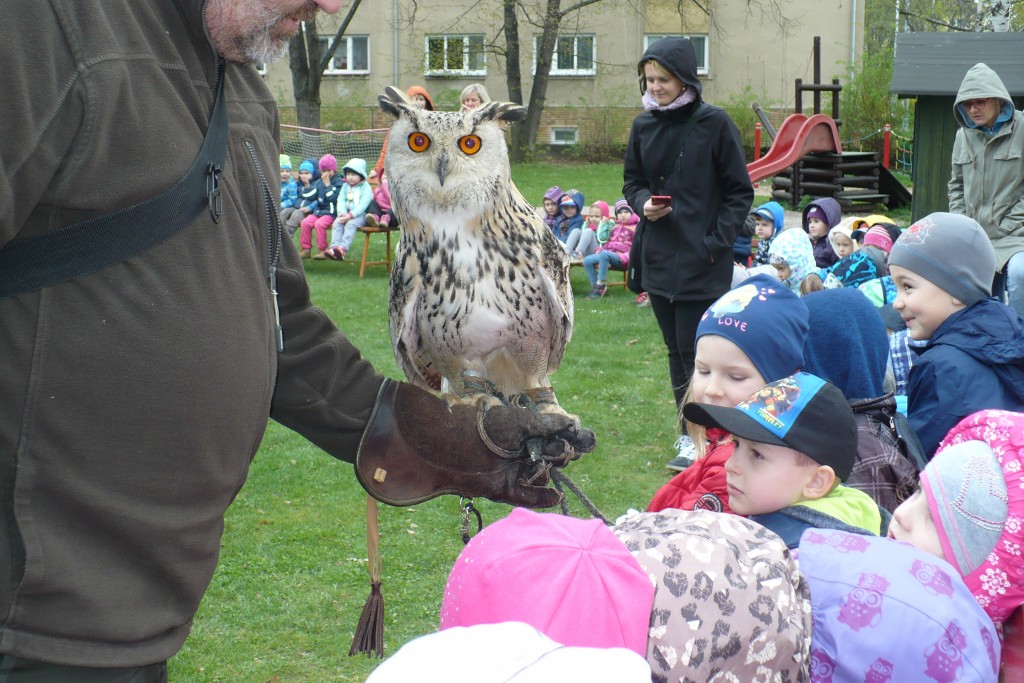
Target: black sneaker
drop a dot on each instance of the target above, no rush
(687, 452)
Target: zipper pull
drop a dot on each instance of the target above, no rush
(278, 332)
(213, 197)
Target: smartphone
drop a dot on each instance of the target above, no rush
(661, 200)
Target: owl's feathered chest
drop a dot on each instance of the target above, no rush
(463, 252)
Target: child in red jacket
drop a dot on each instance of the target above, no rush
(751, 336)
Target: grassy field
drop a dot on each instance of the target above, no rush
(292, 576)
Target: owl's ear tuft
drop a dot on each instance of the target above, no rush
(394, 101)
(504, 113)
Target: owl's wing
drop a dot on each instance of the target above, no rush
(406, 288)
(554, 268)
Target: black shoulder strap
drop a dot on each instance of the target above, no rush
(33, 263)
(909, 441)
(677, 152)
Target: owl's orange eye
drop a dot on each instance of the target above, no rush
(470, 144)
(419, 142)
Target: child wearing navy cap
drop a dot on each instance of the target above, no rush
(796, 441)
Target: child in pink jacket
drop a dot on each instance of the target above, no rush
(613, 254)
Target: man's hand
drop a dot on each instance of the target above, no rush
(415, 448)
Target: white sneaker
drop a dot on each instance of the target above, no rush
(686, 454)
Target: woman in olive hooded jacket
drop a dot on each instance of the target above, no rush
(685, 250)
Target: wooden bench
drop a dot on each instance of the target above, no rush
(368, 232)
(610, 283)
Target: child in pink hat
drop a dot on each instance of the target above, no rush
(569, 578)
(970, 508)
(877, 236)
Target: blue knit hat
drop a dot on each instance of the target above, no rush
(307, 166)
(767, 321)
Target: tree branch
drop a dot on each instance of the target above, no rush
(572, 8)
(935, 22)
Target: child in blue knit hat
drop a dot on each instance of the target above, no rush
(289, 189)
(306, 191)
(752, 335)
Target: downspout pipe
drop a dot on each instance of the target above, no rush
(394, 39)
(853, 38)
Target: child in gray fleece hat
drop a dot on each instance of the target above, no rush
(943, 267)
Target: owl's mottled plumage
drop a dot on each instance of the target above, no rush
(480, 286)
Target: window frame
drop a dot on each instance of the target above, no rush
(694, 37)
(556, 69)
(555, 142)
(331, 70)
(467, 54)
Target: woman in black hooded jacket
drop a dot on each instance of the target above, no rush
(685, 248)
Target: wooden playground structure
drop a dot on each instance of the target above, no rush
(807, 158)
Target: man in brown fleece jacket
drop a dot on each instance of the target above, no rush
(132, 398)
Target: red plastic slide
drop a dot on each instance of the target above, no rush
(798, 135)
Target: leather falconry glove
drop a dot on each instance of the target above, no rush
(415, 449)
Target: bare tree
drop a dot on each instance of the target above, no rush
(307, 65)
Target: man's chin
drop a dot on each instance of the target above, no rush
(264, 51)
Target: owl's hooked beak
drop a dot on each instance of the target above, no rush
(442, 167)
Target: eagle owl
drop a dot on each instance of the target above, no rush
(480, 300)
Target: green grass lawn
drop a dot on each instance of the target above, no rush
(292, 577)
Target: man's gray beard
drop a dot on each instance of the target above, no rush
(262, 48)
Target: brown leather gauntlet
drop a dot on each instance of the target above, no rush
(415, 448)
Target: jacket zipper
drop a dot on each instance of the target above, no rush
(273, 245)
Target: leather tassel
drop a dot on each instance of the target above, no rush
(369, 635)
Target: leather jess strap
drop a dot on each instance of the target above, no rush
(44, 260)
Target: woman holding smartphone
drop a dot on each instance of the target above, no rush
(686, 175)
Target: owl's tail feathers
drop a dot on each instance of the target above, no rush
(415, 448)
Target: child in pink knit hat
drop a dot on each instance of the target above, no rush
(569, 578)
(970, 508)
(877, 236)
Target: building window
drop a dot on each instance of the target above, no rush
(456, 56)
(351, 57)
(700, 46)
(573, 55)
(564, 136)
